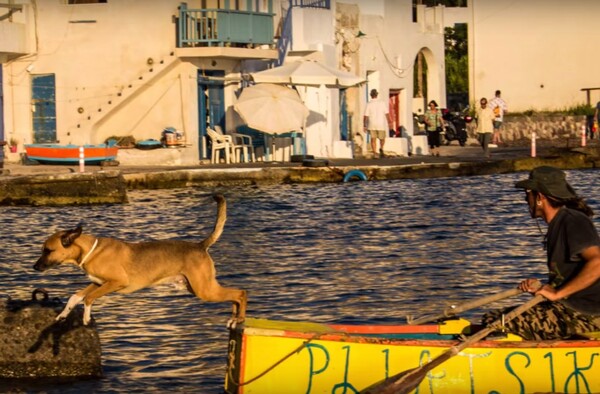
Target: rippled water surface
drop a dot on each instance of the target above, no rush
(359, 252)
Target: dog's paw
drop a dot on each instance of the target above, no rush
(61, 317)
(233, 323)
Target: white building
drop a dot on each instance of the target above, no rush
(80, 71)
(539, 53)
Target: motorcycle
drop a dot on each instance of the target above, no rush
(419, 124)
(456, 125)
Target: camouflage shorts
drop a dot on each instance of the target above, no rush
(548, 320)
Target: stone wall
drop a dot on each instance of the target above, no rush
(547, 127)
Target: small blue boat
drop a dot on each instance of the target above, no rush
(148, 144)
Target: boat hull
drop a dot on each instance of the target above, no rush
(69, 154)
(316, 358)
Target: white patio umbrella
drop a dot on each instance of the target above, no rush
(307, 72)
(272, 109)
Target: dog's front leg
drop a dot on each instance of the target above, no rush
(74, 300)
(95, 293)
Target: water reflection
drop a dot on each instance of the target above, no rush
(360, 252)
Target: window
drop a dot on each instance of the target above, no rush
(86, 1)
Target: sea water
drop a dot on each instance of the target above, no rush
(356, 253)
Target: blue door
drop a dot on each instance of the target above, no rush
(211, 102)
(344, 126)
(43, 96)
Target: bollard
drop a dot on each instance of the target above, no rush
(582, 136)
(35, 345)
(533, 144)
(81, 159)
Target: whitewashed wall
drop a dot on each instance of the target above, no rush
(540, 53)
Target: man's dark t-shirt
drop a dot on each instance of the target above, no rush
(569, 233)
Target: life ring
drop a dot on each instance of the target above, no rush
(355, 174)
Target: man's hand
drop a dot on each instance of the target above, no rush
(549, 292)
(530, 285)
(533, 286)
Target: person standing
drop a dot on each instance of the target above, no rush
(375, 118)
(2, 143)
(484, 117)
(498, 105)
(434, 124)
(573, 258)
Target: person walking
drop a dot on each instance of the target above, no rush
(484, 117)
(434, 124)
(375, 118)
(498, 105)
(596, 120)
(573, 258)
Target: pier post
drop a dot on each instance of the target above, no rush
(81, 159)
(533, 136)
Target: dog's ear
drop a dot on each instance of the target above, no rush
(70, 236)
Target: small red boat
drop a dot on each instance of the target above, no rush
(70, 154)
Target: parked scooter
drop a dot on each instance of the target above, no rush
(456, 125)
(419, 124)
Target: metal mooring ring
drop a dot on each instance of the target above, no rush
(39, 291)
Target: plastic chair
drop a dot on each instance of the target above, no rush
(219, 143)
(241, 145)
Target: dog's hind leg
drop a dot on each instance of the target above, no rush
(74, 300)
(214, 292)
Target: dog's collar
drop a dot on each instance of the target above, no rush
(88, 253)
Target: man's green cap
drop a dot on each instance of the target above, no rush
(549, 181)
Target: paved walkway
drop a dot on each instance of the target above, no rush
(449, 154)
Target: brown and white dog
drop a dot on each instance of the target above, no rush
(117, 266)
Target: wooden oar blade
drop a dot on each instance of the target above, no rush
(407, 381)
(387, 385)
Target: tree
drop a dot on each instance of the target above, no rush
(457, 60)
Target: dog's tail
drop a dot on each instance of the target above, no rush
(219, 223)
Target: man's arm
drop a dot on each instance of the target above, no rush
(589, 274)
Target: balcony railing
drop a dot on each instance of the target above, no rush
(311, 3)
(222, 27)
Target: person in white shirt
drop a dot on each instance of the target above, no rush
(375, 118)
(498, 105)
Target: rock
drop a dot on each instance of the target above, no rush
(34, 345)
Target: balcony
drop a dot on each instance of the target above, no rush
(13, 35)
(223, 33)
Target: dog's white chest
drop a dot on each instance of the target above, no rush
(96, 280)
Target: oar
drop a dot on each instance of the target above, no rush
(406, 381)
(454, 310)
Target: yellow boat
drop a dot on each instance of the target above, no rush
(267, 356)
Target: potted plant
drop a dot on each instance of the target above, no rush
(13, 145)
